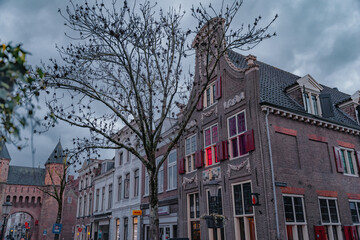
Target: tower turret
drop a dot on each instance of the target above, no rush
(54, 165)
(4, 162)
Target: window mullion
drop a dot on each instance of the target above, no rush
(328, 208)
(293, 208)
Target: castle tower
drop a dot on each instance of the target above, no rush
(4, 162)
(54, 164)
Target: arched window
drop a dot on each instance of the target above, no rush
(8, 198)
(39, 200)
(21, 199)
(32, 199)
(14, 199)
(27, 199)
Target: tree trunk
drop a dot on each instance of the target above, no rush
(58, 219)
(154, 214)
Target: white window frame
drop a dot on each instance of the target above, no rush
(244, 215)
(329, 226)
(295, 224)
(347, 162)
(310, 108)
(357, 211)
(172, 167)
(212, 145)
(236, 135)
(190, 156)
(146, 183)
(160, 175)
(212, 88)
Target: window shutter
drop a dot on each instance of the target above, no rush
(218, 88)
(348, 232)
(338, 162)
(354, 232)
(326, 105)
(358, 159)
(181, 166)
(320, 233)
(249, 139)
(199, 159)
(199, 105)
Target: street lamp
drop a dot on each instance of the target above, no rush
(6, 208)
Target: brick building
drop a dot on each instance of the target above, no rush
(285, 140)
(22, 186)
(85, 201)
(167, 189)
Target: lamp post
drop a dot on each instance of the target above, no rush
(6, 208)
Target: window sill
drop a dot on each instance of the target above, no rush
(351, 175)
(208, 107)
(213, 165)
(172, 189)
(191, 171)
(239, 157)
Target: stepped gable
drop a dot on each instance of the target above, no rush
(273, 84)
(4, 153)
(57, 156)
(26, 176)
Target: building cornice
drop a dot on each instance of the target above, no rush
(310, 120)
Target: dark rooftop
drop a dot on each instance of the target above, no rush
(57, 156)
(26, 176)
(273, 84)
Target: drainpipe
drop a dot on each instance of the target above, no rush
(272, 175)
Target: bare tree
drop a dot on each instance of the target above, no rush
(126, 69)
(58, 178)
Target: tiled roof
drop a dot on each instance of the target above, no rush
(273, 83)
(4, 153)
(57, 156)
(26, 176)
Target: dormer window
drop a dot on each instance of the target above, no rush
(311, 103)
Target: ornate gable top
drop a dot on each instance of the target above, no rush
(309, 83)
(4, 153)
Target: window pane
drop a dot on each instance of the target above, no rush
(344, 161)
(234, 147)
(192, 205)
(241, 122)
(289, 213)
(316, 111)
(333, 212)
(172, 157)
(354, 213)
(187, 146)
(209, 156)
(324, 211)
(220, 211)
(247, 198)
(197, 205)
(214, 134)
(207, 97)
(351, 165)
(232, 126)
(207, 137)
(238, 200)
(299, 212)
(193, 143)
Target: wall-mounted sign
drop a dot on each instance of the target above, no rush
(136, 212)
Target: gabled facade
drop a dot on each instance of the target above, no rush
(167, 189)
(264, 134)
(103, 201)
(85, 200)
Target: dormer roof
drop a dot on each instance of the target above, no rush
(309, 83)
(4, 153)
(57, 156)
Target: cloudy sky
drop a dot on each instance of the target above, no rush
(320, 37)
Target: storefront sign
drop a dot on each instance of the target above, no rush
(136, 212)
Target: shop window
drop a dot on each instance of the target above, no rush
(193, 216)
(126, 228)
(243, 212)
(295, 220)
(135, 228)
